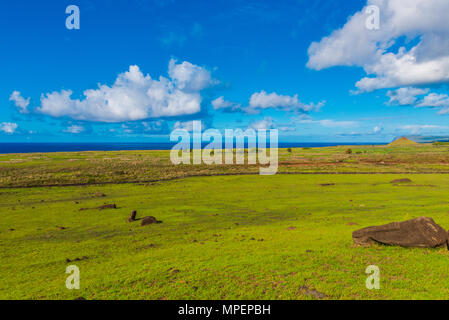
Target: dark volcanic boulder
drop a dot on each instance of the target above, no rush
(420, 233)
(149, 220)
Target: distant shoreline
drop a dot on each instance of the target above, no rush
(48, 147)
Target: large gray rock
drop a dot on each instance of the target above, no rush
(419, 233)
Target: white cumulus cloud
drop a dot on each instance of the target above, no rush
(419, 98)
(20, 102)
(263, 100)
(265, 124)
(135, 96)
(74, 129)
(8, 127)
(427, 62)
(221, 104)
(405, 96)
(434, 100)
(189, 77)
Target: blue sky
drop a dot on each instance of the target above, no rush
(311, 69)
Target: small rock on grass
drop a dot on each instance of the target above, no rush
(76, 259)
(149, 220)
(132, 216)
(173, 270)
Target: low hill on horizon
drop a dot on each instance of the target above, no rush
(403, 141)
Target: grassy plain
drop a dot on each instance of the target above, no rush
(221, 237)
(65, 168)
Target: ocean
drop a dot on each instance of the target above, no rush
(118, 146)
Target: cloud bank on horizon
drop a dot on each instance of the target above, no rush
(135, 96)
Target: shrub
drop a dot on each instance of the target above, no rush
(348, 151)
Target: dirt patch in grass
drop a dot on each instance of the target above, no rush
(103, 207)
(312, 293)
(406, 180)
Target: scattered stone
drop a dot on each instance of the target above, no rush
(80, 299)
(173, 270)
(309, 251)
(61, 228)
(353, 224)
(260, 240)
(149, 220)
(417, 233)
(132, 217)
(312, 292)
(291, 228)
(12, 229)
(327, 184)
(76, 259)
(401, 181)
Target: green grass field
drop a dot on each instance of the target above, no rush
(68, 168)
(221, 237)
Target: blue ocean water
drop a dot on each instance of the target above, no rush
(117, 146)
